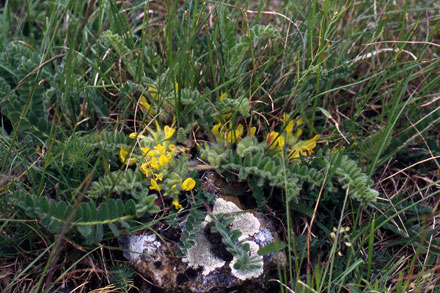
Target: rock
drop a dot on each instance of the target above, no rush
(207, 266)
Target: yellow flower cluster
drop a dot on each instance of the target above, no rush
(158, 157)
(295, 146)
(303, 147)
(157, 161)
(229, 134)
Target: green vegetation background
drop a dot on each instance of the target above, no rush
(353, 177)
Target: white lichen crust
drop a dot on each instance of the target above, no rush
(200, 254)
(246, 223)
(137, 245)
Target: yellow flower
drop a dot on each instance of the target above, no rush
(154, 185)
(172, 148)
(289, 126)
(154, 164)
(252, 131)
(150, 153)
(145, 151)
(163, 160)
(177, 205)
(145, 168)
(156, 133)
(146, 107)
(125, 157)
(223, 96)
(303, 147)
(232, 135)
(133, 135)
(161, 149)
(235, 134)
(169, 131)
(280, 142)
(153, 92)
(183, 150)
(158, 177)
(354, 143)
(298, 132)
(335, 149)
(157, 125)
(300, 129)
(188, 184)
(216, 130)
(270, 137)
(226, 116)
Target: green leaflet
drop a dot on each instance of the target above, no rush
(270, 169)
(229, 105)
(192, 227)
(118, 182)
(237, 248)
(117, 42)
(350, 175)
(89, 220)
(251, 162)
(18, 61)
(203, 113)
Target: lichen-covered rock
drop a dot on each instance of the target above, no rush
(153, 258)
(207, 266)
(201, 254)
(247, 223)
